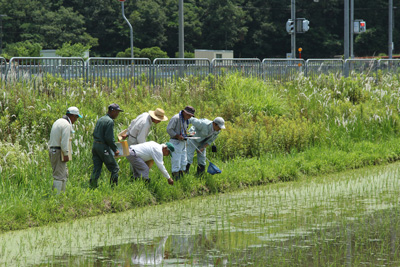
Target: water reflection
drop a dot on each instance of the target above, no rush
(371, 240)
(143, 254)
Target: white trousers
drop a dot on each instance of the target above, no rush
(178, 157)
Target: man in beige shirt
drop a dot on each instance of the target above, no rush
(139, 128)
(60, 147)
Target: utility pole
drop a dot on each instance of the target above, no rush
(181, 31)
(130, 26)
(293, 35)
(346, 29)
(390, 43)
(351, 28)
(1, 33)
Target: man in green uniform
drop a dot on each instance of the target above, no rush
(104, 147)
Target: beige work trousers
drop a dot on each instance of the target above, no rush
(60, 170)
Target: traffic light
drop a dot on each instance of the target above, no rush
(302, 25)
(363, 26)
(290, 26)
(360, 26)
(305, 25)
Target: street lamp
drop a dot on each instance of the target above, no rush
(181, 31)
(1, 32)
(390, 41)
(130, 26)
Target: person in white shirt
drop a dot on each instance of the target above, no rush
(139, 128)
(141, 153)
(60, 146)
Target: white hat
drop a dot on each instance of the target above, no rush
(73, 111)
(220, 122)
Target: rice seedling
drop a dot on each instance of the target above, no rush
(275, 132)
(350, 218)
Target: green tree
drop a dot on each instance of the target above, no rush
(223, 24)
(153, 52)
(148, 22)
(22, 49)
(64, 25)
(127, 52)
(75, 50)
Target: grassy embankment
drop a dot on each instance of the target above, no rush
(275, 132)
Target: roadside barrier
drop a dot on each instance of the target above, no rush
(282, 69)
(111, 72)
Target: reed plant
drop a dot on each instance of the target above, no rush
(274, 132)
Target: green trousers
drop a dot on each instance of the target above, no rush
(101, 153)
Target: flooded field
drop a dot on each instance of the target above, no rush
(346, 219)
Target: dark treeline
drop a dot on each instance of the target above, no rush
(252, 28)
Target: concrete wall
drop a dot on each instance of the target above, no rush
(211, 54)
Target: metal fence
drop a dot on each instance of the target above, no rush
(3, 67)
(389, 66)
(247, 66)
(112, 71)
(282, 69)
(316, 67)
(27, 68)
(353, 67)
(167, 70)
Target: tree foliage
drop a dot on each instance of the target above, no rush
(22, 49)
(252, 28)
(75, 50)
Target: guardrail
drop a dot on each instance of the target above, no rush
(389, 66)
(167, 70)
(282, 69)
(316, 67)
(354, 67)
(27, 68)
(112, 71)
(3, 67)
(247, 66)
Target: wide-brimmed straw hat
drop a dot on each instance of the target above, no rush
(158, 114)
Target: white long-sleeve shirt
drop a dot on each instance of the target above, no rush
(151, 151)
(60, 134)
(139, 129)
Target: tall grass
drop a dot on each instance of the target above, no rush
(275, 132)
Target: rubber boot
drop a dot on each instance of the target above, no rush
(187, 168)
(175, 176)
(200, 170)
(181, 173)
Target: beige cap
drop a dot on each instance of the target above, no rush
(158, 114)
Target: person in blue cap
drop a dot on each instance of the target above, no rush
(104, 147)
(60, 147)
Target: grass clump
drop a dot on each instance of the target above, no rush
(274, 132)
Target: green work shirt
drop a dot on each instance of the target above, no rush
(104, 132)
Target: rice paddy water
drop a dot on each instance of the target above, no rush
(350, 219)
